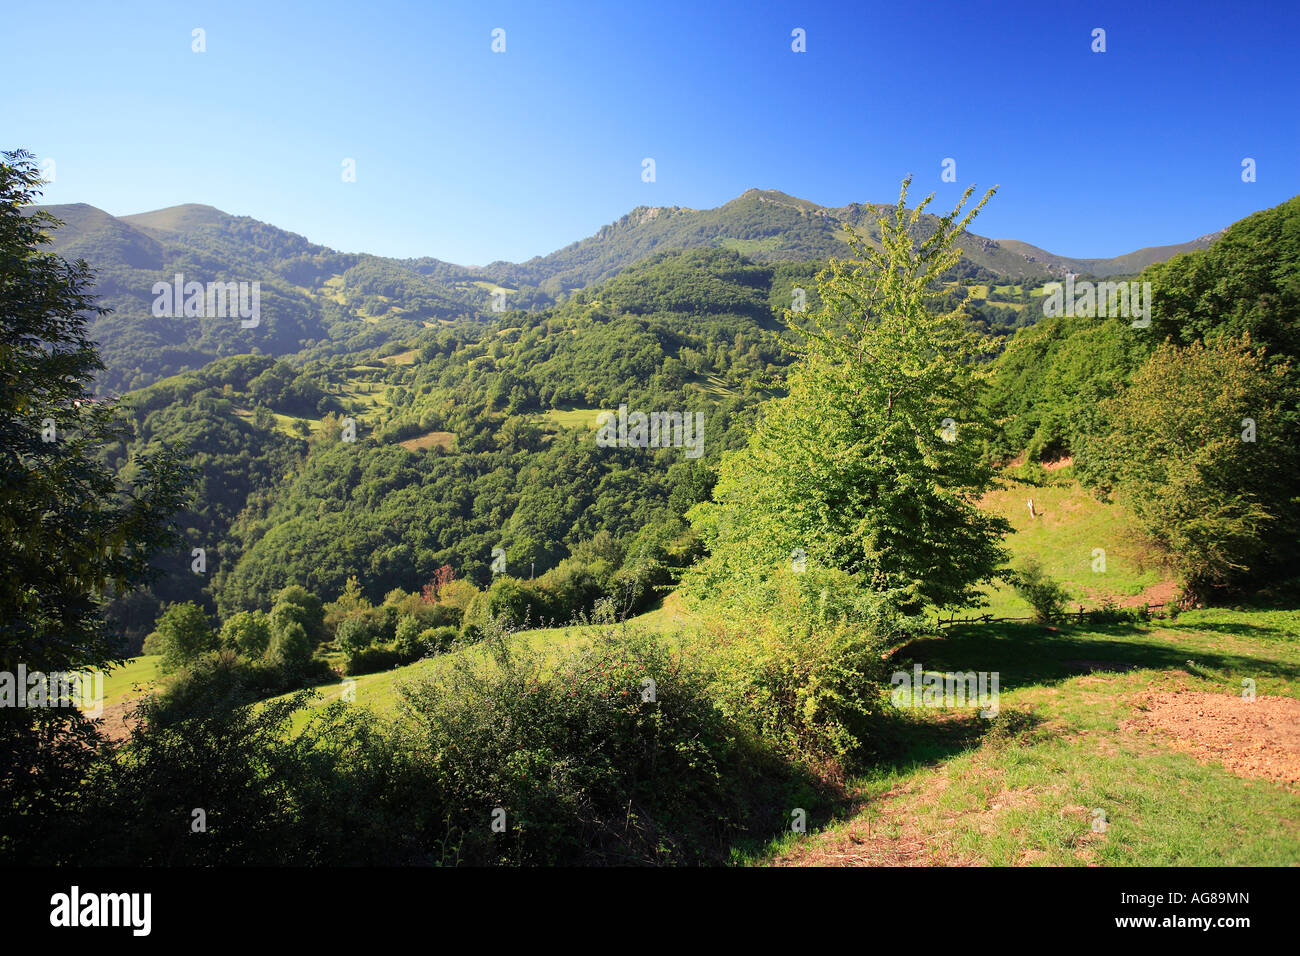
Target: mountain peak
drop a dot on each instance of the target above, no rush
(183, 218)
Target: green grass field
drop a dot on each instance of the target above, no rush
(132, 680)
(583, 419)
(1071, 525)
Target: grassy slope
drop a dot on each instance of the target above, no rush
(1071, 523)
(1023, 789)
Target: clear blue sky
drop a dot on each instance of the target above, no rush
(471, 156)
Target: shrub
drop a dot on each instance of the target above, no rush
(587, 766)
(801, 659)
(1045, 596)
(372, 660)
(438, 639)
(456, 595)
(407, 641)
(296, 603)
(290, 649)
(356, 633)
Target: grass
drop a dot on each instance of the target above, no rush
(575, 418)
(1026, 786)
(134, 679)
(1070, 524)
(749, 246)
(1023, 789)
(380, 692)
(445, 440)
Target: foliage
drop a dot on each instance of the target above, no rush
(183, 634)
(1216, 494)
(1048, 598)
(850, 469)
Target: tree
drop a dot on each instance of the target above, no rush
(247, 632)
(296, 604)
(71, 533)
(871, 463)
(1200, 445)
(183, 634)
(290, 648)
(1045, 596)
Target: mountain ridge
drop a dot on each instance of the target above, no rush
(645, 229)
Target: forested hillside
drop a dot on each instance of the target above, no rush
(316, 302)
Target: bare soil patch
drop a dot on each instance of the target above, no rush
(1251, 738)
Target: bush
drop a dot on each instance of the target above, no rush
(1045, 596)
(407, 641)
(372, 660)
(356, 633)
(801, 659)
(456, 596)
(296, 603)
(290, 649)
(341, 792)
(587, 766)
(438, 639)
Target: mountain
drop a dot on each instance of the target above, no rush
(770, 226)
(1128, 264)
(318, 302)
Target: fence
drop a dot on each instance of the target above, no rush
(1099, 615)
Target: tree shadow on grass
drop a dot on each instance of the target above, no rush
(1029, 654)
(1261, 632)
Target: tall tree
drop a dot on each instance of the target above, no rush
(872, 462)
(69, 531)
(1200, 445)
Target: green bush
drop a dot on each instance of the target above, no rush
(183, 635)
(290, 649)
(1045, 596)
(587, 764)
(438, 639)
(372, 660)
(356, 633)
(248, 632)
(406, 640)
(801, 659)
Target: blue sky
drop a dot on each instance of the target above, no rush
(469, 155)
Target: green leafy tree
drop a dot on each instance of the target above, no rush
(290, 649)
(71, 530)
(871, 463)
(1047, 597)
(297, 604)
(1201, 446)
(248, 632)
(183, 634)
